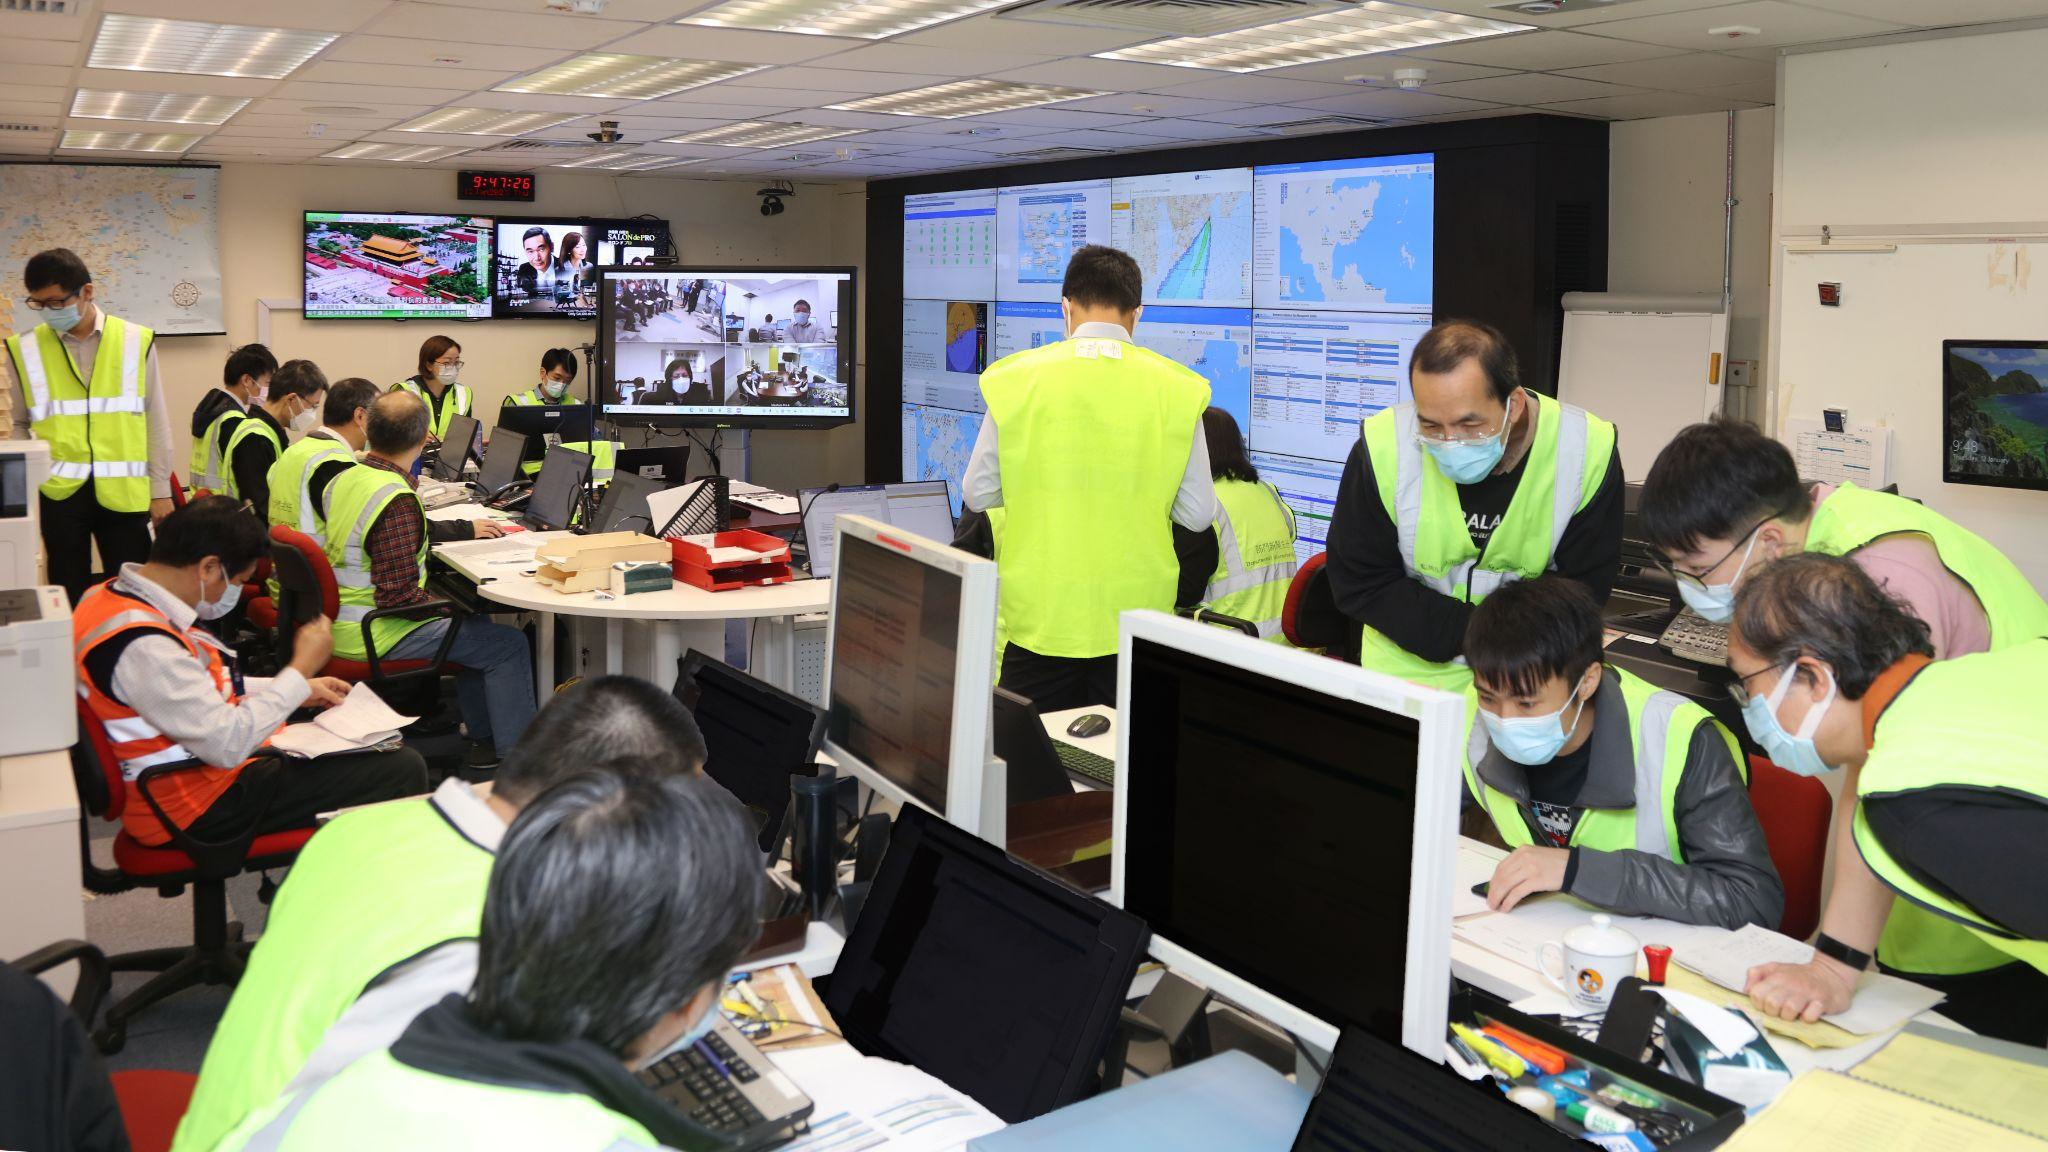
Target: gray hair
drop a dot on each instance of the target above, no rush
(623, 721)
(398, 423)
(614, 900)
(1828, 608)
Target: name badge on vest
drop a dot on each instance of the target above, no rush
(1091, 349)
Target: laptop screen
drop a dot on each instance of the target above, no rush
(1383, 1097)
(919, 507)
(624, 507)
(756, 736)
(501, 462)
(559, 487)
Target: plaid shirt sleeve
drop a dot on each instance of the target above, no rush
(394, 548)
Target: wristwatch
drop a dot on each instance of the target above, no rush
(1828, 946)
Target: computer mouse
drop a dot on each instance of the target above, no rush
(1093, 724)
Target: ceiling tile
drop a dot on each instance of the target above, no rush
(860, 119)
(1383, 65)
(1248, 89)
(1688, 73)
(400, 76)
(933, 61)
(1117, 141)
(458, 27)
(1053, 118)
(1942, 15)
(1531, 88)
(721, 111)
(1395, 104)
(53, 29)
(37, 93)
(805, 78)
(978, 32)
(1149, 104)
(1262, 114)
(1646, 105)
(1542, 51)
(36, 111)
(372, 110)
(1781, 24)
(49, 75)
(1587, 17)
(327, 15)
(336, 125)
(1759, 92)
(1102, 75)
(22, 50)
(312, 92)
(423, 53)
(1192, 130)
(689, 42)
(1486, 114)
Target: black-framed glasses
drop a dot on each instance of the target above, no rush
(1700, 581)
(1738, 690)
(36, 305)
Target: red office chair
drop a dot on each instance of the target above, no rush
(1311, 618)
(177, 492)
(217, 954)
(306, 588)
(1794, 811)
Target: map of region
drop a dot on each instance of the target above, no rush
(936, 445)
(1225, 364)
(966, 337)
(1045, 241)
(1194, 248)
(149, 234)
(1351, 241)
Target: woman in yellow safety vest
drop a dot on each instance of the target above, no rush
(439, 383)
(1255, 560)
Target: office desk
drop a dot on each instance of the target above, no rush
(681, 618)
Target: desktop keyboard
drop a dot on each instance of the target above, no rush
(1100, 769)
(707, 1083)
(1696, 638)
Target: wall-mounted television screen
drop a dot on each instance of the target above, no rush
(544, 266)
(727, 347)
(1995, 412)
(397, 266)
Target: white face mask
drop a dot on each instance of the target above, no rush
(551, 387)
(215, 609)
(307, 420)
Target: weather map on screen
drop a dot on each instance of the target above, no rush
(1039, 227)
(1215, 342)
(1349, 235)
(1190, 232)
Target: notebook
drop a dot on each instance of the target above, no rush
(1991, 1080)
(1829, 1112)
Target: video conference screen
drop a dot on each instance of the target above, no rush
(1298, 291)
(544, 267)
(765, 348)
(397, 266)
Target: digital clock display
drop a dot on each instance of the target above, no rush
(515, 186)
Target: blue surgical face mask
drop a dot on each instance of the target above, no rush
(1793, 753)
(1470, 461)
(215, 609)
(803, 317)
(1716, 602)
(1531, 740)
(62, 319)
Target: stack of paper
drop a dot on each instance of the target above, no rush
(1992, 1080)
(1829, 1112)
(361, 721)
(865, 1102)
(1882, 1002)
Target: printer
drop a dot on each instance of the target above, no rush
(37, 673)
(24, 465)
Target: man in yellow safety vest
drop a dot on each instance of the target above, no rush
(87, 384)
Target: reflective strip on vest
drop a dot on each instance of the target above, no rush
(114, 450)
(354, 570)
(1233, 579)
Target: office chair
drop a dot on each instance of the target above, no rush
(306, 588)
(1311, 619)
(217, 954)
(177, 492)
(1794, 811)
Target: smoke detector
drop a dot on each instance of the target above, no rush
(607, 132)
(1735, 31)
(1410, 79)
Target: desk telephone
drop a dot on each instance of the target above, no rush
(1696, 638)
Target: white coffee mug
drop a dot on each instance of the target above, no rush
(1592, 960)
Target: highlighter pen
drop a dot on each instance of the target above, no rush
(1494, 1054)
(1537, 1053)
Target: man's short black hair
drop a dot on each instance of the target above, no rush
(1102, 277)
(1717, 481)
(623, 720)
(561, 358)
(252, 360)
(1453, 342)
(1527, 632)
(344, 397)
(398, 424)
(613, 901)
(1828, 607)
(539, 231)
(210, 526)
(301, 378)
(59, 266)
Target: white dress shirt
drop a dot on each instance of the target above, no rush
(85, 351)
(1194, 505)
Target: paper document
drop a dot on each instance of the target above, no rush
(457, 512)
(1829, 1112)
(1471, 868)
(1882, 1002)
(1519, 935)
(729, 554)
(868, 1103)
(361, 721)
(2012, 1091)
(766, 499)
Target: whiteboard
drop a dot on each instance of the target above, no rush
(1650, 365)
(1879, 356)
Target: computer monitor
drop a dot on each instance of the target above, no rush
(502, 457)
(559, 487)
(624, 507)
(458, 447)
(982, 971)
(910, 665)
(571, 422)
(666, 465)
(1278, 816)
(756, 737)
(920, 507)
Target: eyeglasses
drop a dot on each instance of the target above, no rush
(1700, 581)
(36, 305)
(448, 364)
(1739, 690)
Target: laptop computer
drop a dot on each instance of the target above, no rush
(756, 736)
(1381, 1096)
(1041, 766)
(726, 1084)
(624, 506)
(502, 457)
(669, 466)
(570, 422)
(557, 491)
(458, 448)
(917, 506)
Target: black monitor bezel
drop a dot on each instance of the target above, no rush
(490, 296)
(502, 311)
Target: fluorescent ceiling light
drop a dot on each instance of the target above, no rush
(157, 107)
(609, 74)
(865, 19)
(643, 163)
(1371, 27)
(130, 141)
(417, 153)
(761, 134)
(146, 44)
(964, 98)
(485, 122)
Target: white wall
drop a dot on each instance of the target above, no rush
(1937, 146)
(713, 221)
(1665, 186)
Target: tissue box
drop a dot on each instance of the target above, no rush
(630, 576)
(583, 563)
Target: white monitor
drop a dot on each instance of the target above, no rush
(1278, 815)
(910, 672)
(920, 507)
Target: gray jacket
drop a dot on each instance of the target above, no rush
(1727, 878)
